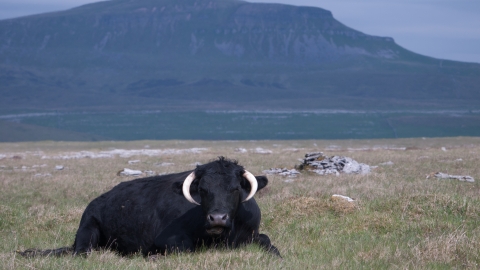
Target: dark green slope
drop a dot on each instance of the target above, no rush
(215, 54)
(17, 132)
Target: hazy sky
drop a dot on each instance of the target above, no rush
(447, 29)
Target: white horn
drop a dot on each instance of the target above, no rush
(186, 188)
(253, 184)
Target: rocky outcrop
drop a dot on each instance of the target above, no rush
(323, 165)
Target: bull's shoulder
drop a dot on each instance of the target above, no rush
(146, 190)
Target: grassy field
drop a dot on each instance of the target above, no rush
(400, 220)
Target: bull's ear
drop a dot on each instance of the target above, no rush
(261, 180)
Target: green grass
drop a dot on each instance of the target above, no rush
(401, 218)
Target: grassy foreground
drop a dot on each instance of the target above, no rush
(400, 219)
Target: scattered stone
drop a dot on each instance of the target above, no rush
(196, 164)
(240, 150)
(388, 163)
(260, 150)
(133, 161)
(17, 157)
(129, 172)
(126, 153)
(59, 167)
(150, 173)
(336, 196)
(463, 178)
(39, 166)
(24, 169)
(444, 149)
(323, 165)
(2, 156)
(164, 164)
(283, 172)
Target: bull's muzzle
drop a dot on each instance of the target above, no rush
(217, 220)
(216, 223)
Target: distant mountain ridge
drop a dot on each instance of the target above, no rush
(249, 30)
(215, 54)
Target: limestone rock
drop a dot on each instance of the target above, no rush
(129, 172)
(463, 178)
(323, 165)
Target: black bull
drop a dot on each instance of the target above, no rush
(154, 215)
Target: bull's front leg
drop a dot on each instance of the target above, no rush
(174, 243)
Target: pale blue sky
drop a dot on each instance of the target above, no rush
(447, 29)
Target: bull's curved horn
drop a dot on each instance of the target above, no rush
(186, 188)
(253, 184)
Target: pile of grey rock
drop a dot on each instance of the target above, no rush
(323, 165)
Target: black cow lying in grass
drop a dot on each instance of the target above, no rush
(212, 205)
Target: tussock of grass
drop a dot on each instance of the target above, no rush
(400, 219)
(341, 206)
(298, 208)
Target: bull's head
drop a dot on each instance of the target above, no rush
(222, 186)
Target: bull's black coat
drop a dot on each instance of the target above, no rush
(151, 215)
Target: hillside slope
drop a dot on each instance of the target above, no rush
(215, 54)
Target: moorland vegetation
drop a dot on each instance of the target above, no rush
(400, 218)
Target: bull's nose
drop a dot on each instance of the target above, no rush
(217, 219)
